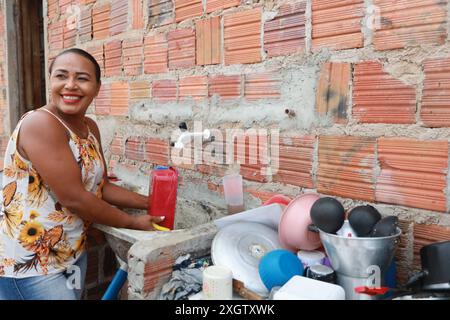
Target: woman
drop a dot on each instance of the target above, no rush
(55, 185)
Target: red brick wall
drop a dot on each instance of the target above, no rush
(380, 124)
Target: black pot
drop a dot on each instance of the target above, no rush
(435, 261)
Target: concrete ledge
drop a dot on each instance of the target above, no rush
(150, 261)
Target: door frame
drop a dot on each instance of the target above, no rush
(26, 56)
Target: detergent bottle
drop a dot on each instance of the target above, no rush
(163, 186)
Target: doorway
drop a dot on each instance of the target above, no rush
(26, 57)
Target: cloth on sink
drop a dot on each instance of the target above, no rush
(187, 278)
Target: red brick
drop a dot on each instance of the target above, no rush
(242, 37)
(97, 53)
(226, 87)
(157, 151)
(337, 24)
(380, 98)
(208, 36)
(119, 98)
(100, 21)
(70, 34)
(156, 50)
(332, 93)
(185, 9)
(160, 13)
(140, 90)
(435, 110)
(119, 17)
(103, 100)
(262, 195)
(412, 173)
(295, 161)
(254, 173)
(117, 146)
(285, 34)
(195, 87)
(346, 167)
(164, 90)
(181, 48)
(132, 56)
(262, 86)
(52, 8)
(113, 58)
(201, 157)
(56, 35)
(250, 150)
(213, 5)
(216, 170)
(137, 21)
(135, 149)
(85, 29)
(64, 5)
(410, 23)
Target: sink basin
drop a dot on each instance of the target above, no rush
(120, 239)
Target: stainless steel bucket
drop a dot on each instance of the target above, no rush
(360, 261)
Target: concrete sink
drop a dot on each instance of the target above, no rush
(120, 239)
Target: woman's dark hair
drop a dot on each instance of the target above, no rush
(81, 53)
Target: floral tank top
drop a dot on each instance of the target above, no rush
(38, 236)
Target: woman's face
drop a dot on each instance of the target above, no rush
(73, 84)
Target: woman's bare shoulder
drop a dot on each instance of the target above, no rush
(42, 123)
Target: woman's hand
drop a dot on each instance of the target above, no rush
(145, 222)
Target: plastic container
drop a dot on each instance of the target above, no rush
(217, 283)
(321, 272)
(278, 266)
(164, 184)
(234, 193)
(293, 227)
(310, 258)
(302, 288)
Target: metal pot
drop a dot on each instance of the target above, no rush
(435, 261)
(360, 261)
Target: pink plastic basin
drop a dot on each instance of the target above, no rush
(293, 230)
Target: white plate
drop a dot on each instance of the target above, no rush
(240, 246)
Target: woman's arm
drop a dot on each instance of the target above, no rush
(44, 142)
(113, 194)
(122, 197)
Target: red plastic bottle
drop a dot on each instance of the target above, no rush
(164, 184)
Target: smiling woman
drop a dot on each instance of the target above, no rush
(55, 185)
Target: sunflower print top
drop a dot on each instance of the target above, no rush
(38, 236)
